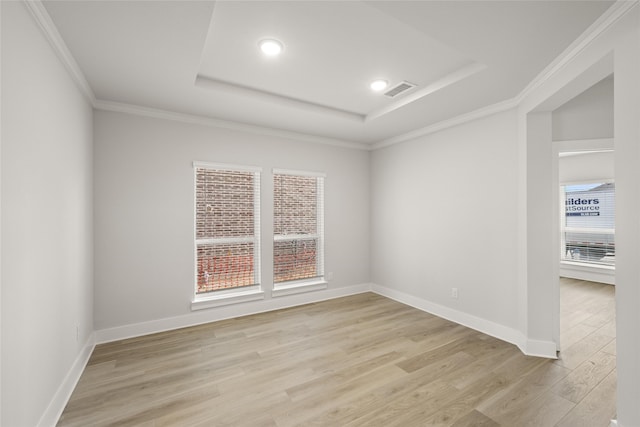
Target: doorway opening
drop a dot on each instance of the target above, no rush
(585, 246)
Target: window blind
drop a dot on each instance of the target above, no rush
(227, 228)
(298, 226)
(588, 226)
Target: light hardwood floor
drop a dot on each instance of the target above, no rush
(362, 360)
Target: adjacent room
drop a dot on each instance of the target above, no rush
(355, 213)
(583, 130)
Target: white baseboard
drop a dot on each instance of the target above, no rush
(226, 312)
(539, 348)
(504, 333)
(527, 346)
(61, 397)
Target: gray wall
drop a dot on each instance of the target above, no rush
(144, 204)
(443, 217)
(47, 244)
(587, 116)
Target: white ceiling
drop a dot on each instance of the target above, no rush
(202, 58)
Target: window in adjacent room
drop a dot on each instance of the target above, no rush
(298, 228)
(227, 228)
(588, 225)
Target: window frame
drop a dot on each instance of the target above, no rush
(317, 282)
(233, 295)
(564, 229)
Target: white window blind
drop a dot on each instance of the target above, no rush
(298, 226)
(588, 225)
(227, 227)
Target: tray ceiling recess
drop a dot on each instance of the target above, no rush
(326, 63)
(201, 61)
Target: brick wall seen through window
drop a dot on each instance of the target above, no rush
(227, 223)
(298, 227)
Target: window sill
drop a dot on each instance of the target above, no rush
(590, 272)
(298, 288)
(587, 266)
(212, 301)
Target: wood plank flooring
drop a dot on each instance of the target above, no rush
(362, 360)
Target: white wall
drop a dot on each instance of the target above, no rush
(617, 48)
(587, 116)
(592, 167)
(627, 176)
(46, 222)
(144, 256)
(443, 216)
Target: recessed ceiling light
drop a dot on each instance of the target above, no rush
(378, 85)
(271, 47)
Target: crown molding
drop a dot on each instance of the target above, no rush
(619, 9)
(224, 124)
(44, 21)
(455, 121)
(48, 28)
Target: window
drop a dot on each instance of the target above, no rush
(227, 227)
(588, 227)
(298, 228)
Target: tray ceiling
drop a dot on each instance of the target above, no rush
(202, 58)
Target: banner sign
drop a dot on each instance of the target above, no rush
(582, 206)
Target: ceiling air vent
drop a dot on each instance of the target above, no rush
(398, 89)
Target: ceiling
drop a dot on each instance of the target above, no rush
(201, 58)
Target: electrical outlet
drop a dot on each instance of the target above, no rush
(329, 277)
(454, 293)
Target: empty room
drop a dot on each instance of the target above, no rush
(336, 213)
